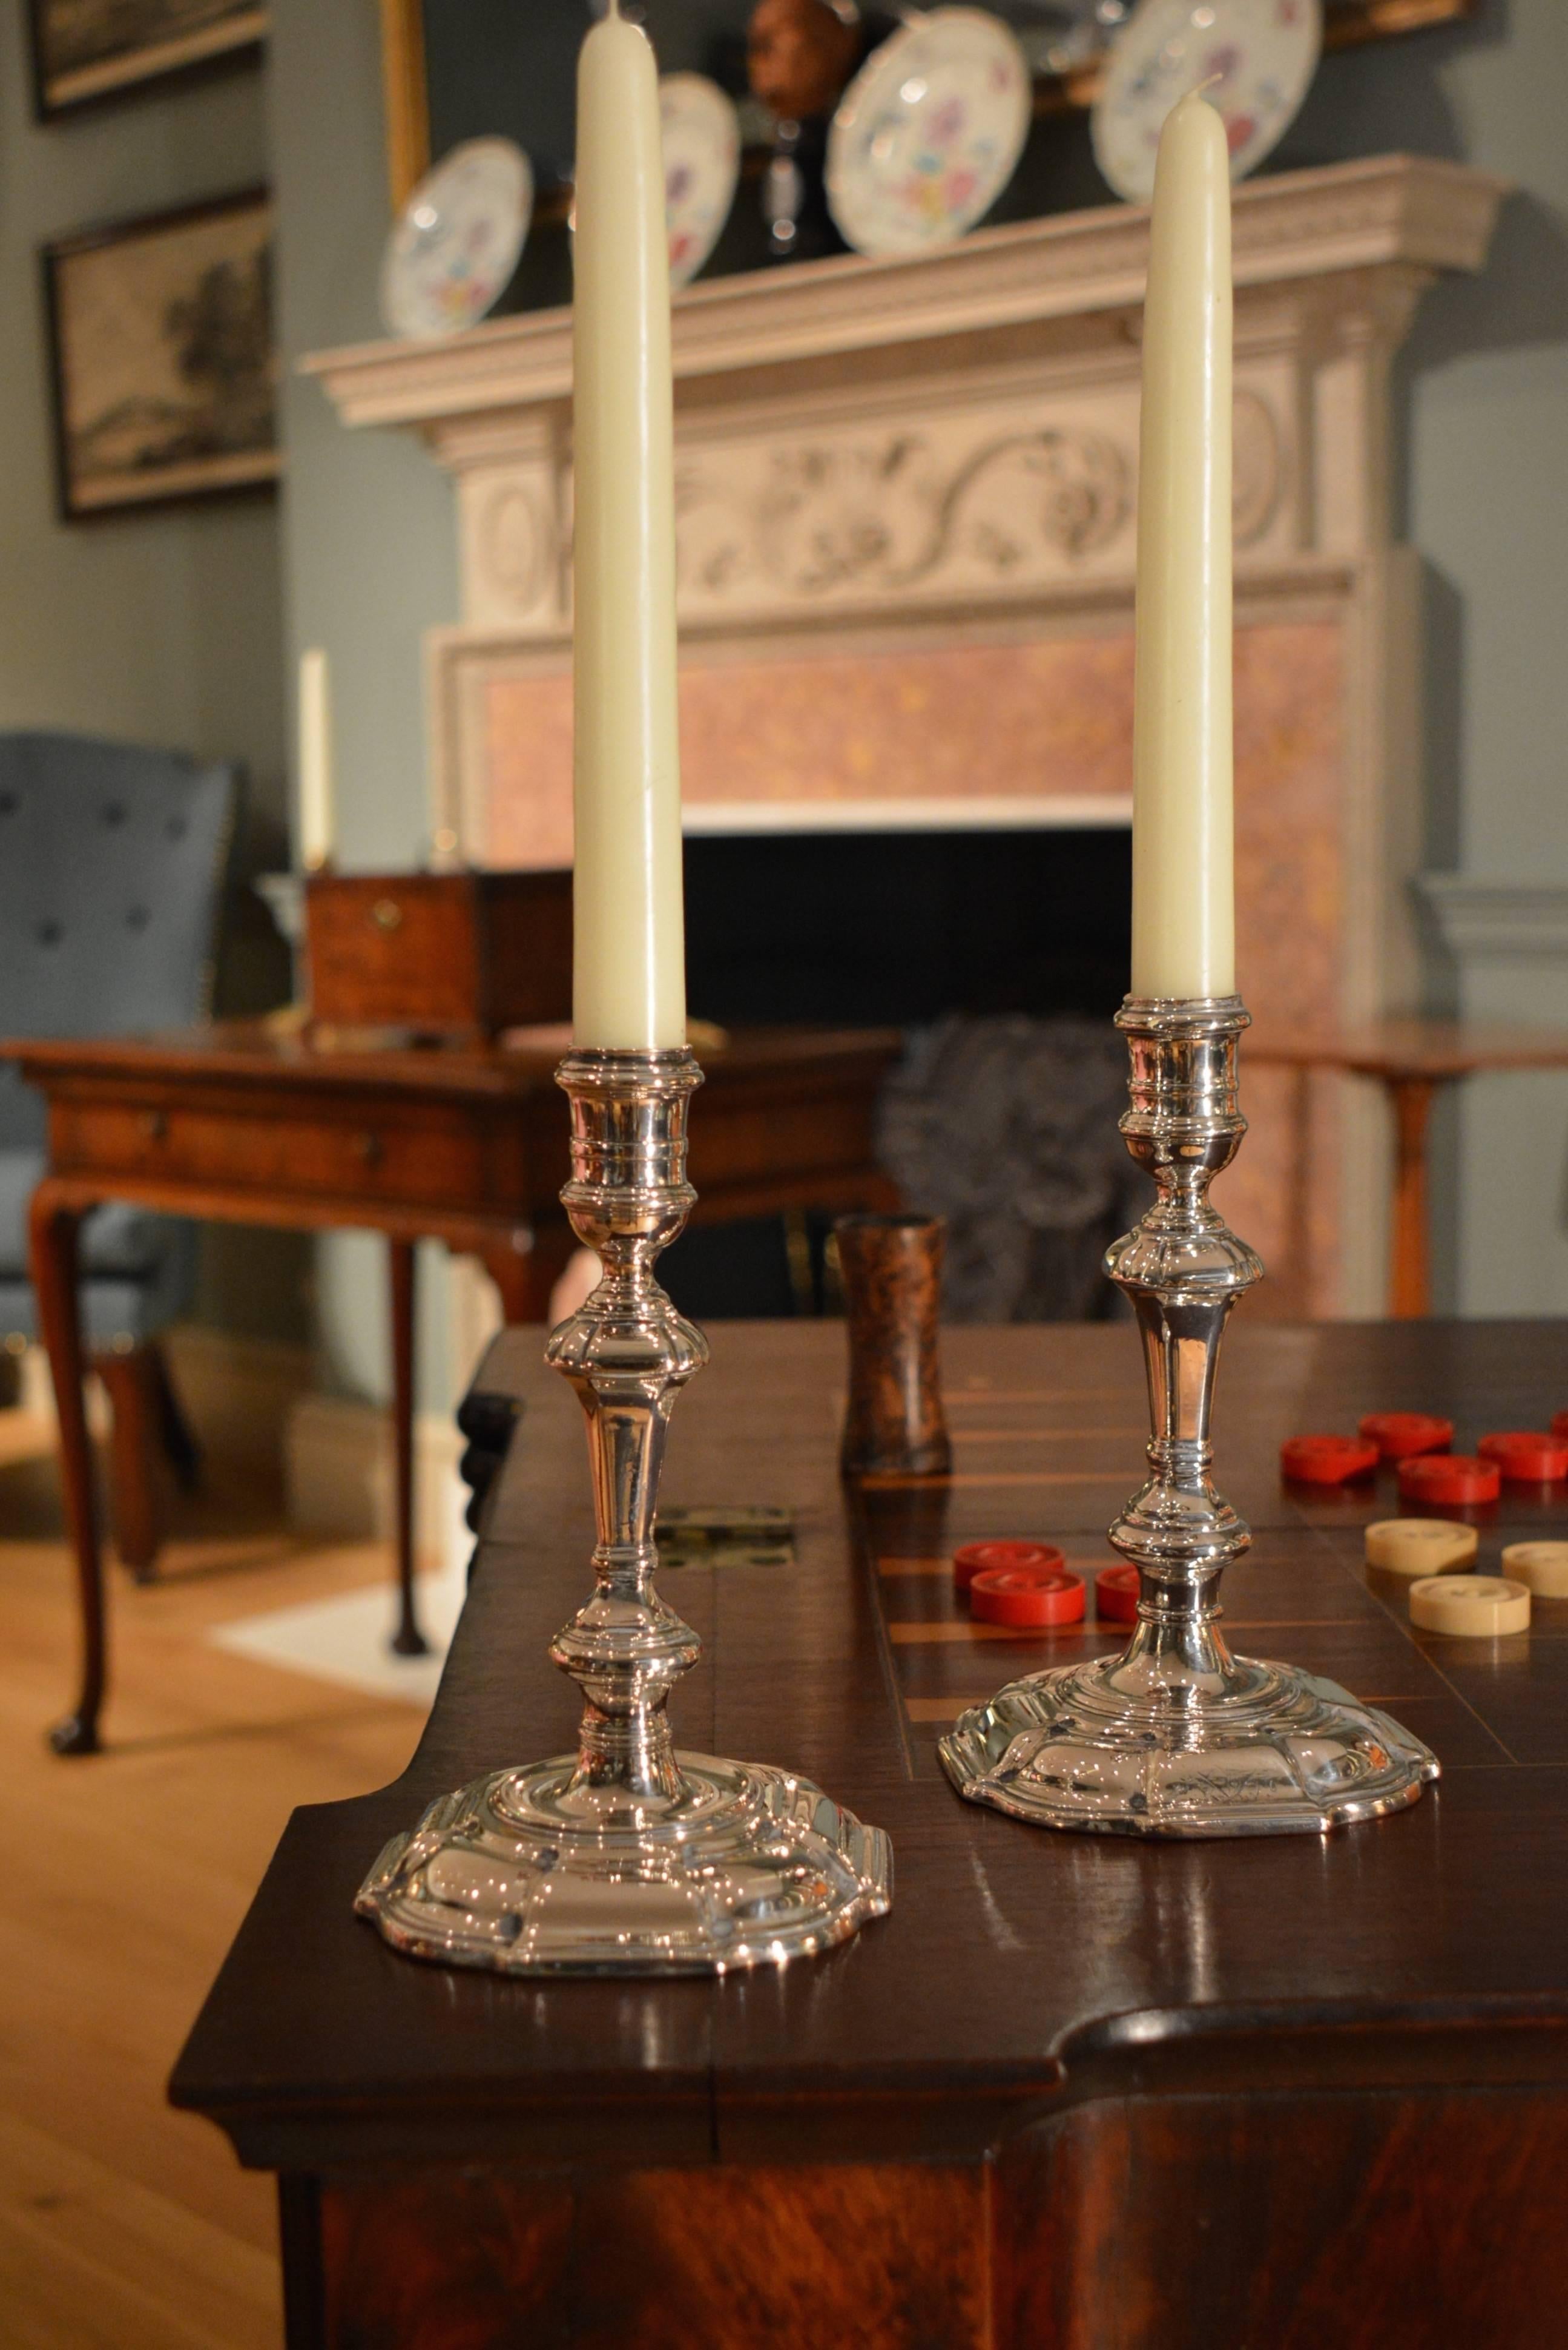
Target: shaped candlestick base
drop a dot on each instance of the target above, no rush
(628, 1857)
(1176, 1737)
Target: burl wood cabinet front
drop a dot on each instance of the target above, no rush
(1397, 2220)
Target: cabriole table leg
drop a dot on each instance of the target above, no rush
(54, 1223)
(1410, 1282)
(407, 1640)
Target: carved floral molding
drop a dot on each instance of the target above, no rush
(891, 513)
(894, 514)
(898, 513)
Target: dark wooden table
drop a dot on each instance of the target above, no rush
(1073, 2093)
(1410, 1060)
(250, 1123)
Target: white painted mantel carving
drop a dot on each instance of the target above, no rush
(907, 495)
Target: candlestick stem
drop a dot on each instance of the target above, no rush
(1177, 1737)
(628, 1857)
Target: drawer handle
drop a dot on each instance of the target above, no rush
(387, 914)
(371, 1149)
(154, 1125)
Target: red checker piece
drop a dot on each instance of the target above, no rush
(980, 1557)
(1527, 1456)
(1327, 1460)
(1023, 1597)
(1451, 1477)
(1116, 1594)
(1400, 1435)
(1559, 1425)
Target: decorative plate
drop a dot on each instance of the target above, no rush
(451, 254)
(702, 165)
(1262, 52)
(929, 134)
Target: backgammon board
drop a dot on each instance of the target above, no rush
(1073, 2093)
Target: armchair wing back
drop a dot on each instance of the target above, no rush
(113, 865)
(112, 861)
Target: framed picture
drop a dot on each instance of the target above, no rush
(84, 50)
(164, 376)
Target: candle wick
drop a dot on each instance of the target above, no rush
(1213, 81)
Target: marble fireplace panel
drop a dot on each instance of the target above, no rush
(1283, 1191)
(1047, 723)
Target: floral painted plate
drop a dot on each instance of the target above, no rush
(450, 256)
(1263, 53)
(929, 134)
(702, 165)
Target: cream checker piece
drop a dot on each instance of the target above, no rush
(1419, 1545)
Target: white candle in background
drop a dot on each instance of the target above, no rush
(628, 977)
(1184, 918)
(315, 774)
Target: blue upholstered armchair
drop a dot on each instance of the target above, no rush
(112, 862)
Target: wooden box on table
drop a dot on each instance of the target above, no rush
(467, 955)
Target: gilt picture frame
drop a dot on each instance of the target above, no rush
(162, 361)
(86, 52)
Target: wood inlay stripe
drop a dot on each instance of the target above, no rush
(923, 1635)
(889, 1480)
(1053, 1435)
(917, 1635)
(897, 1569)
(1034, 1395)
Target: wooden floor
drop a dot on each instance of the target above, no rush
(124, 2226)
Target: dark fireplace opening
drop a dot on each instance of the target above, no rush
(874, 929)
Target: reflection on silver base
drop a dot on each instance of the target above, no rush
(521, 1874)
(1279, 1751)
(1176, 1737)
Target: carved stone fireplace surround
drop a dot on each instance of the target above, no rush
(907, 495)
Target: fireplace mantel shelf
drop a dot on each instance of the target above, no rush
(1409, 210)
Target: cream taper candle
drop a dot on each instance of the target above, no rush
(1184, 915)
(315, 778)
(628, 976)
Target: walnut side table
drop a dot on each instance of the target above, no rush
(1410, 1060)
(239, 1122)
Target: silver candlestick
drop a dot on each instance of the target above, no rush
(1176, 1737)
(628, 1857)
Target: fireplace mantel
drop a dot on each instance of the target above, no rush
(1406, 212)
(951, 437)
(906, 517)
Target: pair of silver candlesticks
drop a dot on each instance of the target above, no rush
(632, 1857)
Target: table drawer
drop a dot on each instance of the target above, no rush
(739, 1136)
(430, 1155)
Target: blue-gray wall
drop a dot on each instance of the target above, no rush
(162, 628)
(369, 551)
(369, 547)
